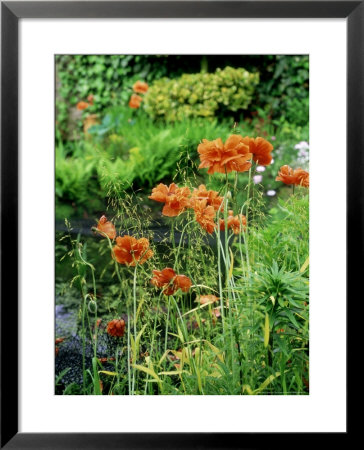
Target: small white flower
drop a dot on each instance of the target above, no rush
(260, 169)
(271, 193)
(303, 145)
(257, 179)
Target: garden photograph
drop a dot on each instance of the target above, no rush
(181, 224)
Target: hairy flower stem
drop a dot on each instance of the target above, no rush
(129, 369)
(227, 276)
(220, 277)
(180, 243)
(246, 243)
(167, 322)
(248, 197)
(135, 324)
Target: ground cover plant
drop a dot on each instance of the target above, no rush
(182, 244)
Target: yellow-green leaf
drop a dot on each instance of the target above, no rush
(305, 264)
(147, 370)
(106, 372)
(231, 264)
(267, 382)
(266, 330)
(180, 334)
(139, 308)
(217, 352)
(176, 372)
(248, 389)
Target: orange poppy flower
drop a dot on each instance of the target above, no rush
(57, 351)
(130, 251)
(286, 175)
(221, 158)
(135, 101)
(140, 87)
(106, 227)
(204, 214)
(59, 340)
(82, 105)
(204, 299)
(90, 98)
(170, 281)
(176, 199)
(302, 178)
(298, 176)
(116, 328)
(212, 197)
(233, 222)
(260, 148)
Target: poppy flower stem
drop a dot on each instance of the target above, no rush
(248, 197)
(135, 323)
(217, 230)
(167, 322)
(180, 243)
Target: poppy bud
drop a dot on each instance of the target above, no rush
(116, 328)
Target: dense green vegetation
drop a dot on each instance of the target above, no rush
(250, 336)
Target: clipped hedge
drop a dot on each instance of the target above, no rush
(201, 94)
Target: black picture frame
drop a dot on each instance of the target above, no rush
(11, 12)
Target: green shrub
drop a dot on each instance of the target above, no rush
(200, 94)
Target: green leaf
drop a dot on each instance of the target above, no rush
(266, 330)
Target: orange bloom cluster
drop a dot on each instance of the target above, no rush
(176, 199)
(298, 177)
(140, 87)
(170, 281)
(106, 227)
(205, 215)
(212, 197)
(235, 154)
(205, 204)
(233, 222)
(130, 251)
(82, 105)
(116, 328)
(135, 101)
(221, 158)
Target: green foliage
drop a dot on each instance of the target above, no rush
(283, 91)
(108, 78)
(200, 94)
(257, 342)
(285, 237)
(134, 153)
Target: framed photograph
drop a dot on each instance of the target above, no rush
(182, 185)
